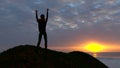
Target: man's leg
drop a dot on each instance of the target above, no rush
(45, 38)
(39, 39)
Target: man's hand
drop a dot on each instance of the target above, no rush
(47, 9)
(47, 15)
(36, 15)
(36, 11)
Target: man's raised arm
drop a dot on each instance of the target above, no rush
(36, 15)
(47, 15)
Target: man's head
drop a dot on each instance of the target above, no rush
(42, 16)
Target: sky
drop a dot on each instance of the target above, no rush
(71, 23)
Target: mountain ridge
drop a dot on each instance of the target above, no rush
(29, 56)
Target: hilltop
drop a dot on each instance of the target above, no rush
(27, 56)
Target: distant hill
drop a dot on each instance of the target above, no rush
(27, 56)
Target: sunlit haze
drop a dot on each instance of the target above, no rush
(94, 47)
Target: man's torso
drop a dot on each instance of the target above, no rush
(42, 25)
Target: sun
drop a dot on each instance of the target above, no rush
(94, 47)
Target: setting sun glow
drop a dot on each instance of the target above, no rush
(94, 47)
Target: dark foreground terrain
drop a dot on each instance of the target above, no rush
(27, 56)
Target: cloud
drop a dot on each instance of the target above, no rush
(70, 19)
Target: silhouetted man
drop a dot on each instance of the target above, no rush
(42, 21)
